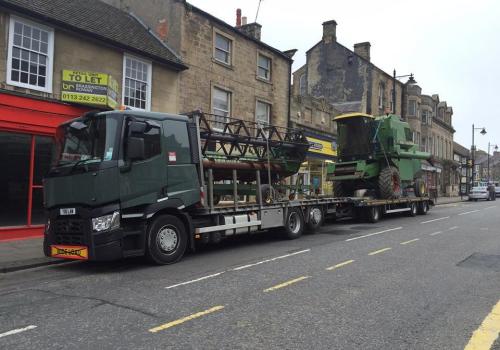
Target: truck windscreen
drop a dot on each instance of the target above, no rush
(87, 140)
(354, 136)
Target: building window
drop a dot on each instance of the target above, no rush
(222, 49)
(412, 108)
(263, 113)
(381, 93)
(221, 107)
(302, 84)
(136, 83)
(424, 117)
(30, 55)
(264, 67)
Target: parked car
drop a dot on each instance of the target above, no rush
(497, 189)
(479, 191)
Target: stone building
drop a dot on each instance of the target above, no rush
(462, 173)
(232, 72)
(60, 59)
(347, 79)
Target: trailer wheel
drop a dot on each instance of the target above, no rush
(389, 183)
(373, 214)
(166, 240)
(423, 208)
(294, 223)
(413, 209)
(316, 219)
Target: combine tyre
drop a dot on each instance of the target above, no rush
(389, 183)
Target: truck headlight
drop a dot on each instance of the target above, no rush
(106, 222)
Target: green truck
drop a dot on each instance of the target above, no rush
(130, 183)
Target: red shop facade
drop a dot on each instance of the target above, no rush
(27, 129)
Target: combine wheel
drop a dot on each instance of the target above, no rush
(316, 218)
(268, 193)
(373, 214)
(420, 188)
(389, 183)
(294, 223)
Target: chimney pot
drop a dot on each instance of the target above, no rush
(363, 50)
(330, 31)
(244, 20)
(238, 18)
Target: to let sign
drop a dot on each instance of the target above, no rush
(98, 89)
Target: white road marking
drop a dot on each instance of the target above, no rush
(269, 260)
(195, 280)
(469, 212)
(435, 233)
(426, 222)
(494, 206)
(453, 228)
(15, 331)
(373, 234)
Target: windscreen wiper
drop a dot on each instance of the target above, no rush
(81, 161)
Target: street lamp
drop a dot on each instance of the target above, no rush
(496, 149)
(473, 152)
(411, 81)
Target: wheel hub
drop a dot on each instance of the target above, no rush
(293, 222)
(167, 239)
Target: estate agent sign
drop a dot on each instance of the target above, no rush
(97, 89)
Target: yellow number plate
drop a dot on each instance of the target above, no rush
(69, 252)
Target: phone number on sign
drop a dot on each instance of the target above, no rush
(84, 98)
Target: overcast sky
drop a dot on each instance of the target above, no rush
(451, 46)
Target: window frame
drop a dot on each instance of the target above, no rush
(50, 55)
(229, 94)
(269, 70)
(269, 108)
(149, 65)
(414, 114)
(215, 48)
(381, 93)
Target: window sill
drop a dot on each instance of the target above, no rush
(28, 86)
(267, 81)
(223, 64)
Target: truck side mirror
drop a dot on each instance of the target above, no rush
(135, 148)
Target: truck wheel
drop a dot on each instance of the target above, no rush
(316, 218)
(166, 240)
(373, 214)
(294, 223)
(423, 208)
(413, 209)
(342, 189)
(389, 183)
(420, 188)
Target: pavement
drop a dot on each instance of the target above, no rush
(424, 282)
(24, 254)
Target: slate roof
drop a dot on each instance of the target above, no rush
(100, 21)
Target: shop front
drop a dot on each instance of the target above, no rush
(313, 172)
(27, 129)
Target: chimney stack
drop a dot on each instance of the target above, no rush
(238, 18)
(330, 31)
(363, 50)
(244, 20)
(252, 29)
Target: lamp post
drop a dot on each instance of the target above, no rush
(496, 149)
(473, 153)
(411, 81)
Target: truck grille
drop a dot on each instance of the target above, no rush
(69, 231)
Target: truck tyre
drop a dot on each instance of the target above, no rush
(166, 240)
(343, 189)
(420, 188)
(389, 183)
(316, 219)
(413, 209)
(373, 214)
(423, 208)
(268, 193)
(294, 223)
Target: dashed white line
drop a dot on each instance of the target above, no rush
(453, 228)
(15, 331)
(195, 280)
(435, 233)
(469, 212)
(373, 234)
(494, 206)
(269, 260)
(443, 218)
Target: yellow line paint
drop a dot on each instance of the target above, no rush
(379, 251)
(339, 265)
(410, 241)
(484, 337)
(286, 284)
(185, 319)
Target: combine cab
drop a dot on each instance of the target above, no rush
(376, 154)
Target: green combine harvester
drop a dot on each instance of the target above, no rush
(377, 154)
